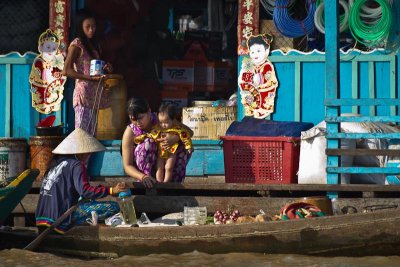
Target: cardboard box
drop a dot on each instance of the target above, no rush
(183, 75)
(177, 98)
(178, 75)
(212, 76)
(217, 76)
(280, 41)
(208, 123)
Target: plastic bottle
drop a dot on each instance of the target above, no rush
(127, 208)
(334, 206)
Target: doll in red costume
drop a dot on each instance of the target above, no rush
(47, 82)
(257, 79)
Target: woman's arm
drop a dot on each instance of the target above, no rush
(86, 190)
(127, 159)
(69, 71)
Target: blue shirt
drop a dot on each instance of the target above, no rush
(61, 188)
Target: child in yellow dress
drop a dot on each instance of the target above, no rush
(167, 123)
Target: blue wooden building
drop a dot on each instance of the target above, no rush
(313, 86)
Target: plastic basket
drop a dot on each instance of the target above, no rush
(261, 160)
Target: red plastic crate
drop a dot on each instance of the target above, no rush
(261, 160)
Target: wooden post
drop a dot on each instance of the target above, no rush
(248, 24)
(59, 23)
(332, 78)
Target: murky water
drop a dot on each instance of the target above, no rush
(21, 258)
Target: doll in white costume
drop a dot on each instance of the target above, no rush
(257, 79)
(47, 82)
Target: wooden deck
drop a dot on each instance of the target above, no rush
(213, 193)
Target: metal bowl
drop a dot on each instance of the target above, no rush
(50, 131)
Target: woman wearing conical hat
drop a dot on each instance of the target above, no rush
(67, 180)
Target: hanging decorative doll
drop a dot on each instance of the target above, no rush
(257, 79)
(47, 82)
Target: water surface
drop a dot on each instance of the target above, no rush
(21, 258)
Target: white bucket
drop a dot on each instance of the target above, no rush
(13, 152)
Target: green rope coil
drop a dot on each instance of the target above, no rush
(370, 33)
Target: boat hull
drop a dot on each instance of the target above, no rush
(374, 233)
(16, 191)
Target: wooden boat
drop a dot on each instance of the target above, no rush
(371, 230)
(15, 191)
(359, 234)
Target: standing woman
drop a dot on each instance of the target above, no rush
(89, 95)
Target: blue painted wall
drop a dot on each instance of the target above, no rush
(18, 118)
(311, 87)
(304, 75)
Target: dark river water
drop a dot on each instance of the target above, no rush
(21, 258)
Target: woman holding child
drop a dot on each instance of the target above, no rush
(140, 160)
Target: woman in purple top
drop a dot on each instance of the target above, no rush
(89, 95)
(139, 160)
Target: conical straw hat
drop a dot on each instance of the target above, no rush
(78, 142)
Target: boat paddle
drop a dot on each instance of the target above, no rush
(40, 237)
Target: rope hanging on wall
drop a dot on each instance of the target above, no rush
(319, 18)
(373, 29)
(289, 26)
(269, 5)
(370, 11)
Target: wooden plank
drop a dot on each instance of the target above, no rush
(213, 161)
(363, 119)
(195, 165)
(240, 108)
(297, 89)
(333, 101)
(371, 86)
(392, 84)
(362, 135)
(7, 111)
(16, 60)
(22, 125)
(207, 142)
(362, 152)
(294, 56)
(231, 187)
(235, 189)
(354, 84)
(246, 205)
(332, 79)
(387, 170)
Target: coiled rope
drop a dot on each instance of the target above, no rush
(269, 5)
(371, 12)
(319, 17)
(289, 26)
(373, 30)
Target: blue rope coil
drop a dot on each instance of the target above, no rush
(289, 26)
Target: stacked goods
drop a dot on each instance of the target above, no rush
(370, 23)
(208, 123)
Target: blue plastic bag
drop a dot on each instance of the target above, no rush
(250, 126)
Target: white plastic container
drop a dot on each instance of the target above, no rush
(96, 67)
(194, 215)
